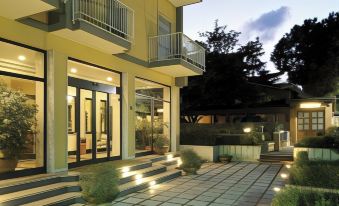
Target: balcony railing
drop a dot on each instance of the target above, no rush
(109, 15)
(176, 46)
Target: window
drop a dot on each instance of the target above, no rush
(311, 120)
(22, 109)
(317, 120)
(303, 121)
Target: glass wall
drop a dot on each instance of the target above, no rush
(93, 113)
(152, 115)
(21, 108)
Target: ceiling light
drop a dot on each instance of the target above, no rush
(310, 105)
(74, 70)
(109, 79)
(21, 57)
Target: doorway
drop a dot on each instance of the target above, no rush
(90, 122)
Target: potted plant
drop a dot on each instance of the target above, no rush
(191, 162)
(161, 144)
(17, 122)
(225, 158)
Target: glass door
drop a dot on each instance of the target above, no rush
(144, 119)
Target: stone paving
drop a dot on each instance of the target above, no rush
(236, 183)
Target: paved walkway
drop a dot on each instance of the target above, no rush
(236, 183)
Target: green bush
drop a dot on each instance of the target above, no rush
(319, 142)
(191, 162)
(255, 137)
(298, 197)
(99, 183)
(302, 156)
(324, 174)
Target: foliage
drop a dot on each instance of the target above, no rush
(143, 132)
(295, 196)
(190, 159)
(229, 69)
(302, 156)
(309, 54)
(255, 137)
(322, 174)
(160, 140)
(18, 121)
(319, 142)
(99, 183)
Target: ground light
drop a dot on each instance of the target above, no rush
(152, 183)
(276, 189)
(283, 175)
(125, 169)
(247, 130)
(288, 166)
(169, 157)
(179, 162)
(139, 179)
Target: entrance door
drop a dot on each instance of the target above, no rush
(310, 124)
(90, 122)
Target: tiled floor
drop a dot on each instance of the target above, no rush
(236, 183)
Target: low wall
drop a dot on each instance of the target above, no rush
(317, 153)
(239, 152)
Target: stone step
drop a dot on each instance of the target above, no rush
(143, 183)
(36, 182)
(38, 193)
(146, 172)
(136, 167)
(71, 198)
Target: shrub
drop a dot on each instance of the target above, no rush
(302, 156)
(191, 162)
(319, 142)
(99, 183)
(315, 173)
(160, 140)
(295, 196)
(255, 137)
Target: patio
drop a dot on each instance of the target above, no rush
(236, 183)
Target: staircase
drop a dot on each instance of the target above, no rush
(281, 156)
(64, 190)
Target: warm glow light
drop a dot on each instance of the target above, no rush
(109, 79)
(138, 176)
(125, 174)
(21, 57)
(125, 169)
(284, 175)
(276, 189)
(169, 157)
(288, 166)
(247, 130)
(152, 183)
(139, 181)
(74, 70)
(69, 99)
(160, 110)
(179, 162)
(310, 105)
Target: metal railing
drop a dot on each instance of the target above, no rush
(109, 15)
(176, 46)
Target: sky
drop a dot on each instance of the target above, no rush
(267, 19)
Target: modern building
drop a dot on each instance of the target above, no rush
(104, 76)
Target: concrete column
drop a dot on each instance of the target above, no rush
(56, 112)
(128, 116)
(175, 118)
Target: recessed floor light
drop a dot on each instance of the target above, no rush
(74, 70)
(109, 79)
(21, 57)
(276, 189)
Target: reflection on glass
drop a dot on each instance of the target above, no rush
(85, 124)
(88, 115)
(72, 136)
(22, 124)
(101, 120)
(114, 113)
(143, 133)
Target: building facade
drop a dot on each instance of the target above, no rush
(98, 80)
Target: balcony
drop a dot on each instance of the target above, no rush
(106, 25)
(176, 55)
(15, 9)
(178, 3)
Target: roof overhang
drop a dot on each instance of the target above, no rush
(179, 3)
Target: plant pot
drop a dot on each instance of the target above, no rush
(149, 148)
(161, 150)
(190, 171)
(225, 159)
(8, 165)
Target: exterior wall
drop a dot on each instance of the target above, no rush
(59, 49)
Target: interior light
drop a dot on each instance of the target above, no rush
(69, 99)
(247, 130)
(160, 110)
(74, 70)
(21, 57)
(109, 79)
(276, 189)
(310, 105)
(283, 175)
(125, 169)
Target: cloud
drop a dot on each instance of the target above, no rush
(267, 25)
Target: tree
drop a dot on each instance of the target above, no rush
(229, 68)
(310, 55)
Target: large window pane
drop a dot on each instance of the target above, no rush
(22, 122)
